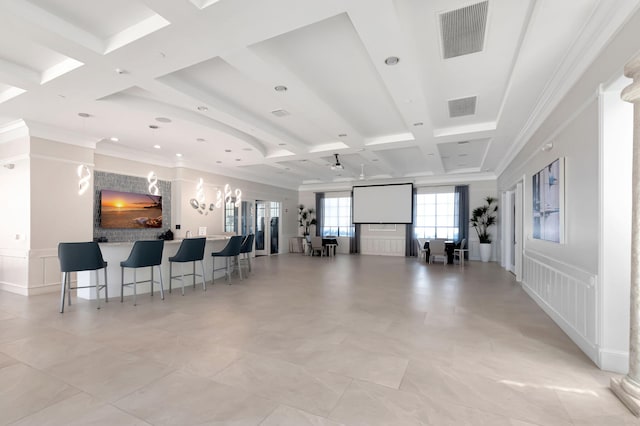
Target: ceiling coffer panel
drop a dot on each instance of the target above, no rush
(463, 106)
(463, 30)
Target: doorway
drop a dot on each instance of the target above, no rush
(267, 227)
(512, 216)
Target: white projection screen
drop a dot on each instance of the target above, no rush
(383, 203)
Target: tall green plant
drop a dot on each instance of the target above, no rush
(484, 217)
(306, 218)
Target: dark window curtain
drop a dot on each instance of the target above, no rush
(354, 242)
(462, 215)
(410, 239)
(319, 213)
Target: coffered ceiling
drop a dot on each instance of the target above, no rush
(270, 90)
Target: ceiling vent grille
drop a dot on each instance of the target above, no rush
(462, 107)
(280, 113)
(462, 30)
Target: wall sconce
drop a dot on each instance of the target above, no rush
(84, 176)
(198, 202)
(547, 147)
(153, 183)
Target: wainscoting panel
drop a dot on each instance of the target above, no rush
(383, 246)
(13, 271)
(568, 295)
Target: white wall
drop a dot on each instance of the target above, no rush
(564, 278)
(14, 215)
(616, 149)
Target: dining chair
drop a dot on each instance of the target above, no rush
(422, 251)
(460, 253)
(437, 250)
(190, 250)
(143, 254)
(231, 250)
(316, 246)
(77, 257)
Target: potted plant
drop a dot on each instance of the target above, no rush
(482, 218)
(306, 218)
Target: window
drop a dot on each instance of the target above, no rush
(230, 214)
(336, 219)
(436, 216)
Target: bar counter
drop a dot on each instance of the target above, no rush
(116, 252)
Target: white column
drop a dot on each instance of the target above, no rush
(628, 387)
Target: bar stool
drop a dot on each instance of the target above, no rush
(76, 257)
(191, 250)
(246, 249)
(143, 254)
(232, 249)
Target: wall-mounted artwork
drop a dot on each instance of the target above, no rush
(130, 210)
(548, 202)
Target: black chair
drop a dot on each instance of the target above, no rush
(232, 249)
(143, 254)
(76, 257)
(246, 249)
(191, 250)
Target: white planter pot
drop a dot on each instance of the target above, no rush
(485, 251)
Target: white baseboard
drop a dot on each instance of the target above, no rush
(12, 288)
(613, 360)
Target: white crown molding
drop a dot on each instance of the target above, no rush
(596, 34)
(13, 130)
(47, 131)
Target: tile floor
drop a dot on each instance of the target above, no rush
(350, 340)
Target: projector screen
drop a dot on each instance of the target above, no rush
(383, 203)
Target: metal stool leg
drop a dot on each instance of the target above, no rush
(161, 285)
(121, 284)
(63, 291)
(135, 287)
(170, 275)
(106, 287)
(204, 286)
(98, 288)
(152, 280)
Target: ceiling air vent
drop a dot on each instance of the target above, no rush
(280, 113)
(462, 107)
(462, 30)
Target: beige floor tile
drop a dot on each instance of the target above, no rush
(189, 354)
(44, 350)
(289, 416)
(109, 374)
(286, 383)
(386, 370)
(80, 410)
(25, 390)
(184, 399)
(369, 404)
(6, 360)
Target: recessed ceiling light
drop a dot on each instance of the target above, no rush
(238, 159)
(153, 126)
(374, 159)
(281, 144)
(247, 149)
(304, 161)
(463, 142)
(120, 71)
(419, 123)
(62, 96)
(156, 146)
(280, 88)
(163, 119)
(84, 114)
(286, 168)
(178, 155)
(462, 155)
(430, 154)
(203, 108)
(227, 150)
(342, 135)
(113, 139)
(392, 60)
(219, 162)
(201, 140)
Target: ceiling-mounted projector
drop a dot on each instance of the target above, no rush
(337, 165)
